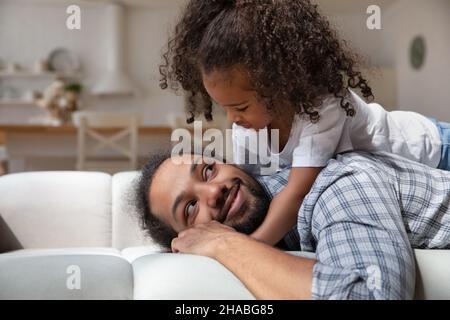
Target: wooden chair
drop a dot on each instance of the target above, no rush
(105, 130)
(3, 155)
(3, 160)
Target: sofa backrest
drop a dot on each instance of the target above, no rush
(68, 209)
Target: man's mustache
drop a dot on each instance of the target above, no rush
(237, 182)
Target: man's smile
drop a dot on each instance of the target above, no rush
(236, 204)
(233, 203)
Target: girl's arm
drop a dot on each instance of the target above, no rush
(283, 210)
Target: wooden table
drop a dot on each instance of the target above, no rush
(42, 147)
(68, 128)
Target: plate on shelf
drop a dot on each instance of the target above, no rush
(63, 61)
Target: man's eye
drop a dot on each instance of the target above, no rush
(208, 171)
(189, 210)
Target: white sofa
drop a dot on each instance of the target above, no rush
(55, 226)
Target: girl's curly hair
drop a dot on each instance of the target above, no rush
(287, 48)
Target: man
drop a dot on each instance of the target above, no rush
(363, 216)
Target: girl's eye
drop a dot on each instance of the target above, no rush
(208, 171)
(242, 109)
(189, 210)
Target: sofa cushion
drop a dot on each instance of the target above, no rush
(65, 275)
(433, 274)
(133, 253)
(182, 276)
(57, 209)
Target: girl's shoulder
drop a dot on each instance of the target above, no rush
(330, 101)
(330, 107)
(334, 104)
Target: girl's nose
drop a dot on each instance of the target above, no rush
(233, 117)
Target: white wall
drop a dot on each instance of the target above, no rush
(349, 18)
(367, 43)
(425, 90)
(29, 31)
(397, 85)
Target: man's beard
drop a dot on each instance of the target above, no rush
(257, 209)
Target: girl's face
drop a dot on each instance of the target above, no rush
(232, 91)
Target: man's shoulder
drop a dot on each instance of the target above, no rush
(349, 172)
(343, 166)
(352, 163)
(344, 188)
(364, 162)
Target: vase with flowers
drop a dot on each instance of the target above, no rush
(60, 100)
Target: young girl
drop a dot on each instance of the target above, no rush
(277, 64)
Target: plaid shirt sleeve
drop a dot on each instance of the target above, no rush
(354, 224)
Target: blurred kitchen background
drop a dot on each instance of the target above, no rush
(108, 70)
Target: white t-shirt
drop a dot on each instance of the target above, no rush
(404, 133)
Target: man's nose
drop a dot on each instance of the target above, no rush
(212, 198)
(215, 195)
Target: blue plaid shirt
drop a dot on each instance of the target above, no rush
(363, 216)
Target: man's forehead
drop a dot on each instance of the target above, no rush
(179, 167)
(189, 159)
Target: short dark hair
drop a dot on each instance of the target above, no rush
(159, 231)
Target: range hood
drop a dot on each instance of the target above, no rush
(114, 80)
